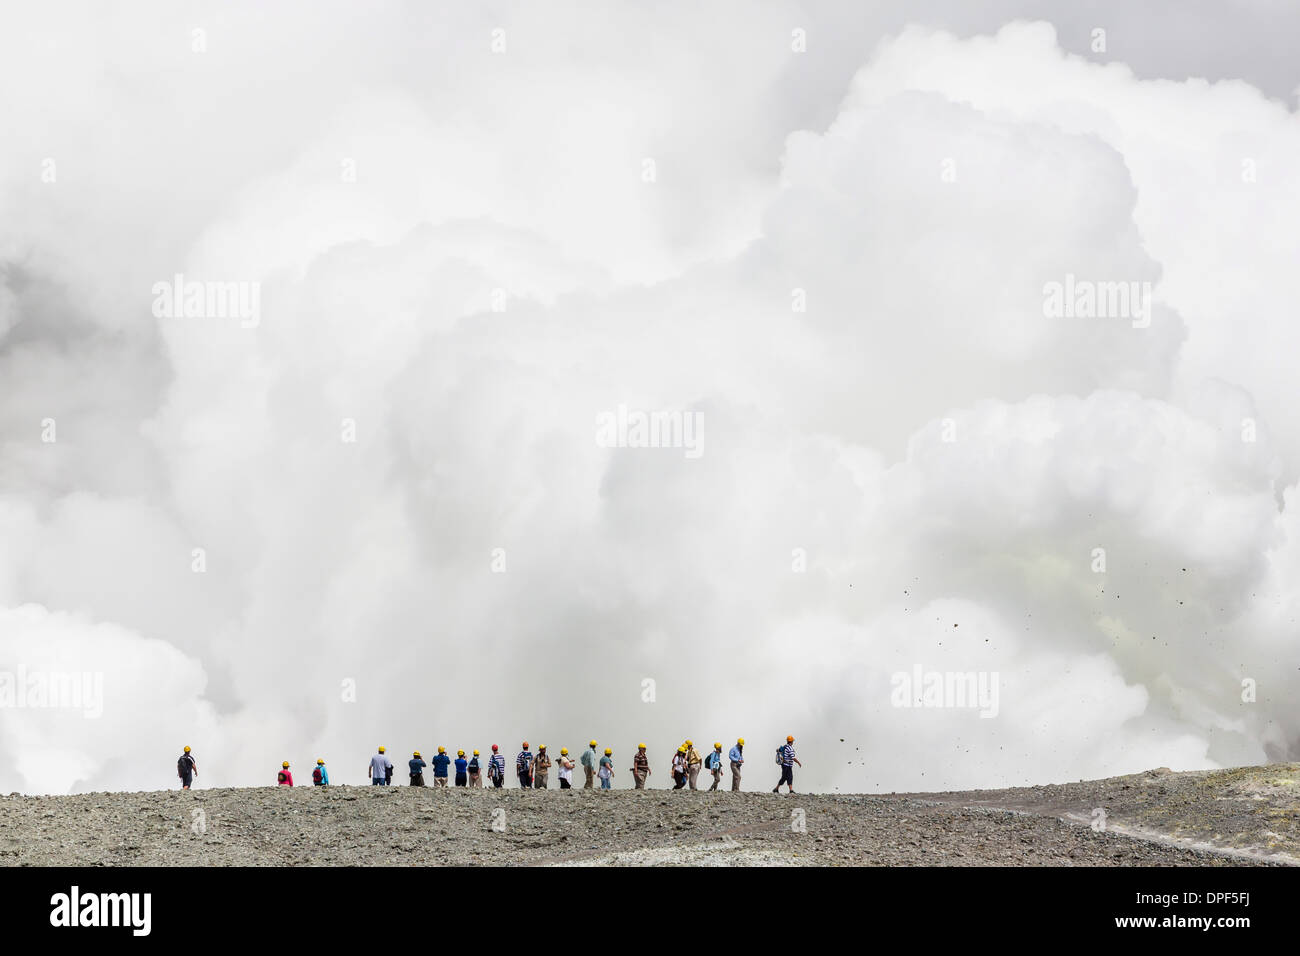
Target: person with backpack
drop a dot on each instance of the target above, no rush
(186, 768)
(679, 768)
(786, 758)
(737, 758)
(541, 768)
(640, 768)
(693, 763)
(320, 777)
(524, 767)
(284, 778)
(497, 768)
(440, 764)
(567, 764)
(606, 770)
(589, 761)
(713, 764)
(417, 765)
(381, 769)
(462, 769)
(475, 770)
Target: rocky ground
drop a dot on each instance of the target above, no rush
(1235, 817)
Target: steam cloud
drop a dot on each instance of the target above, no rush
(917, 469)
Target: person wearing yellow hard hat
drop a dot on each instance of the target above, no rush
(475, 770)
(381, 769)
(737, 758)
(640, 768)
(284, 778)
(320, 777)
(786, 758)
(461, 766)
(417, 765)
(606, 770)
(567, 764)
(541, 768)
(693, 763)
(589, 761)
(713, 764)
(186, 768)
(679, 768)
(440, 764)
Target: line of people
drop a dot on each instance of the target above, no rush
(533, 769)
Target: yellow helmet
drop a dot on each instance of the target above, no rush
(442, 750)
(681, 749)
(381, 749)
(285, 764)
(541, 746)
(460, 753)
(717, 746)
(690, 743)
(640, 746)
(475, 753)
(741, 741)
(187, 749)
(608, 751)
(416, 754)
(593, 743)
(320, 762)
(563, 751)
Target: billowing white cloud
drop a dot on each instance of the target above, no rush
(382, 514)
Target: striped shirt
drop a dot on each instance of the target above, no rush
(787, 756)
(524, 762)
(641, 763)
(497, 765)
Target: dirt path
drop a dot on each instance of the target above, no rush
(401, 826)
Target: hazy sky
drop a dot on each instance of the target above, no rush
(379, 508)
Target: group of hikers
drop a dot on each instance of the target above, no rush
(533, 770)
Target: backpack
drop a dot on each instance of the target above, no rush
(182, 765)
(282, 778)
(780, 751)
(315, 775)
(473, 765)
(712, 761)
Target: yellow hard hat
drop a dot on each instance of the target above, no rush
(608, 751)
(475, 753)
(681, 749)
(640, 746)
(321, 762)
(416, 754)
(563, 751)
(187, 749)
(717, 746)
(690, 743)
(460, 753)
(381, 749)
(741, 741)
(442, 750)
(541, 746)
(285, 764)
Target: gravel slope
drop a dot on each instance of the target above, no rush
(402, 826)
